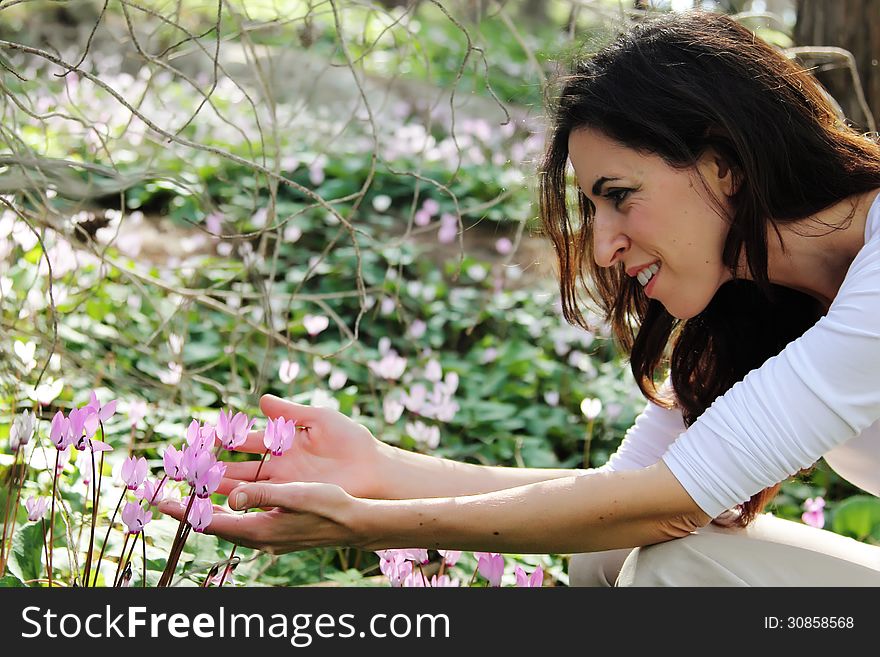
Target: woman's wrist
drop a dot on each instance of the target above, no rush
(380, 524)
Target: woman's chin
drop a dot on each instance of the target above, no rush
(682, 313)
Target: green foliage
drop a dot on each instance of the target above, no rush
(858, 517)
(26, 559)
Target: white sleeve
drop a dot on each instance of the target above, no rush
(648, 438)
(818, 392)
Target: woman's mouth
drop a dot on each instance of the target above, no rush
(647, 277)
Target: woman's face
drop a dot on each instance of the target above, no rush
(649, 212)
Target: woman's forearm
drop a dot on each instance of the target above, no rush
(408, 475)
(574, 514)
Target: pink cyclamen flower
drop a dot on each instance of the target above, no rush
(104, 412)
(63, 460)
(199, 437)
(415, 579)
(814, 514)
(172, 459)
(415, 399)
(322, 367)
(85, 469)
(431, 206)
(200, 514)
(444, 581)
(152, 491)
(59, 432)
(391, 366)
(288, 371)
(83, 425)
(232, 431)
(227, 580)
(427, 436)
(417, 329)
(392, 409)
(491, 566)
(315, 323)
(419, 555)
(451, 557)
(36, 507)
(196, 464)
(137, 410)
(394, 566)
(337, 380)
(448, 228)
(134, 471)
(278, 436)
(536, 580)
(207, 482)
(433, 371)
(22, 430)
(135, 517)
(504, 246)
(422, 218)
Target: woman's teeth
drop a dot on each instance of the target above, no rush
(648, 273)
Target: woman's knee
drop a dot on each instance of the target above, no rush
(596, 568)
(687, 561)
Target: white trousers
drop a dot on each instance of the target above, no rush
(769, 552)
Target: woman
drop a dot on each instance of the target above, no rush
(723, 212)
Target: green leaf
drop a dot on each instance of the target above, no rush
(26, 560)
(11, 582)
(858, 517)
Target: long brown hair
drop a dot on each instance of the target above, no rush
(675, 86)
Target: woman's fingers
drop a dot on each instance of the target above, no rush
(227, 484)
(290, 496)
(303, 415)
(240, 528)
(246, 470)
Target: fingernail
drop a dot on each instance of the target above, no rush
(239, 500)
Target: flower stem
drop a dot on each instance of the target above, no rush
(106, 536)
(87, 568)
(474, 576)
(424, 580)
(52, 515)
(235, 545)
(587, 440)
(177, 545)
(12, 478)
(127, 567)
(144, 544)
(121, 559)
(6, 516)
(45, 545)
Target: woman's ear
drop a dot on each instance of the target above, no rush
(728, 177)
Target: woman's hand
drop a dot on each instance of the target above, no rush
(303, 515)
(329, 447)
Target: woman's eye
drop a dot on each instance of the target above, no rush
(617, 195)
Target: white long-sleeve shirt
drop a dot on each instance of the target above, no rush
(819, 397)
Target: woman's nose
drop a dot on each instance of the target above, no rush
(609, 242)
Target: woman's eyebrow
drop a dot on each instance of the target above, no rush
(597, 186)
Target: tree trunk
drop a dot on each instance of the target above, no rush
(855, 26)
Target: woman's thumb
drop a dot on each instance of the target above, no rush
(252, 496)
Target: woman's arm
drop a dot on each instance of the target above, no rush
(601, 511)
(410, 475)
